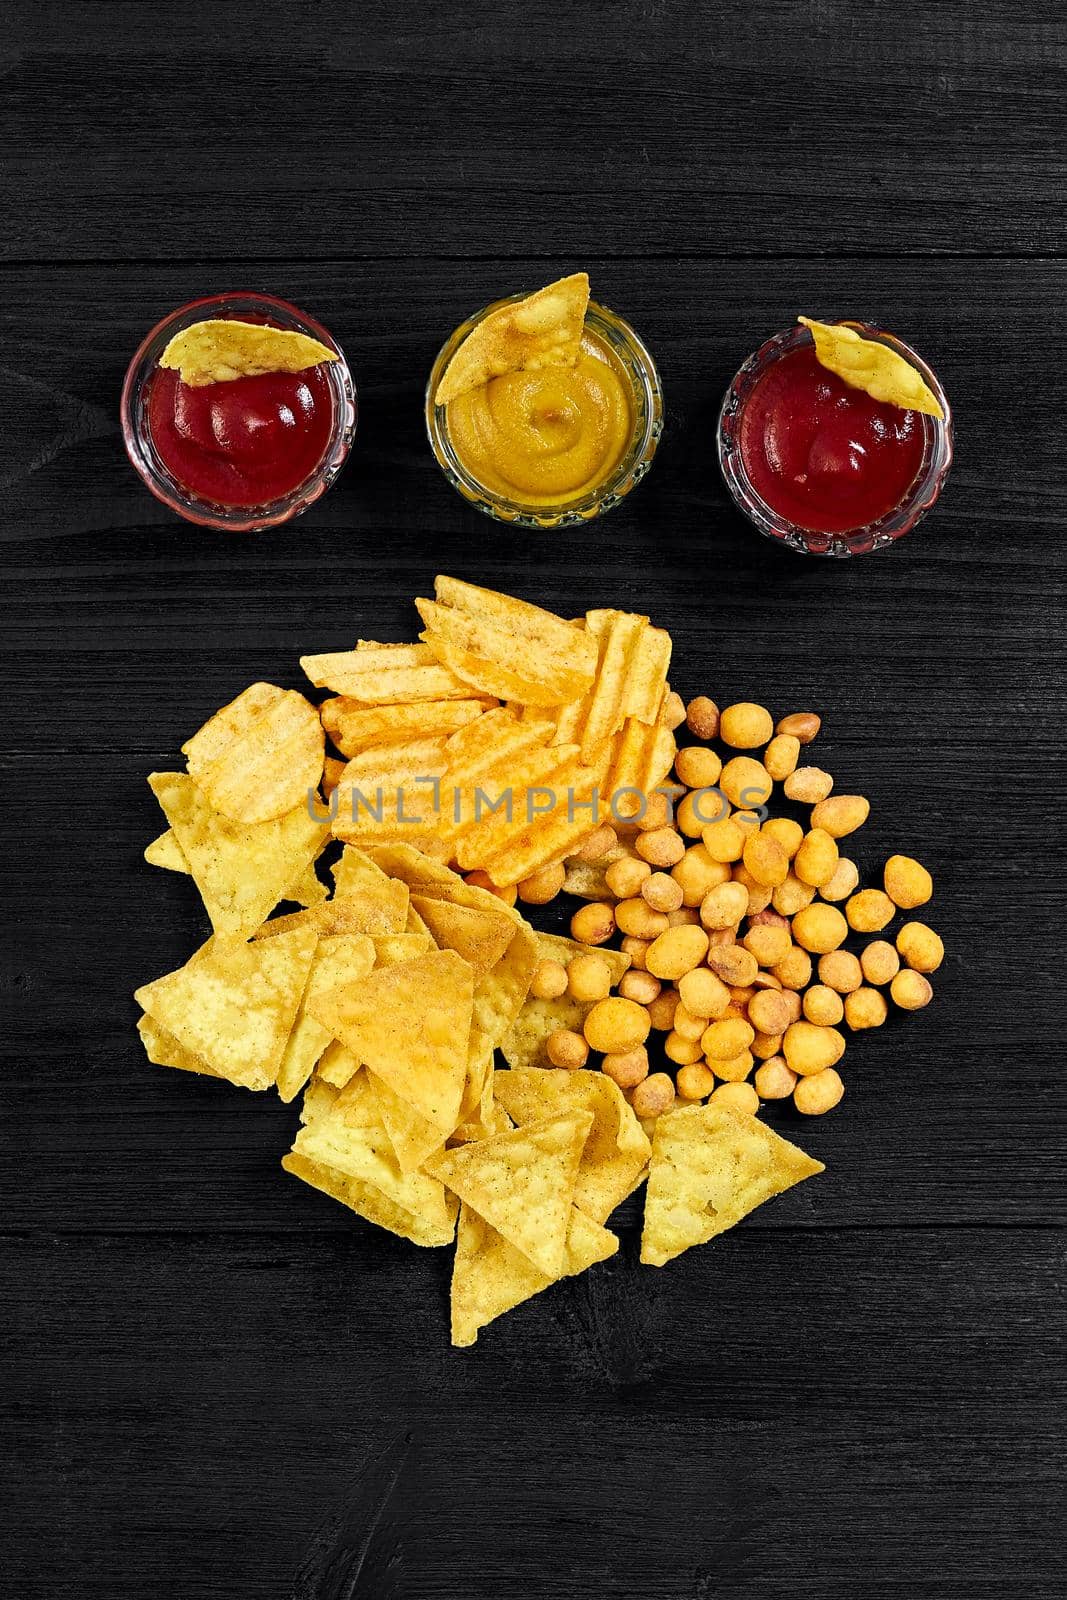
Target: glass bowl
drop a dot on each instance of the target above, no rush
(929, 481)
(647, 400)
(141, 451)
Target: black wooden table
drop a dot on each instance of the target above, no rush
(216, 1383)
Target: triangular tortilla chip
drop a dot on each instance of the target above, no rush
(479, 936)
(234, 1004)
(411, 1023)
(709, 1169)
(241, 869)
(221, 348)
(869, 365)
(616, 1152)
(339, 960)
(429, 1230)
(351, 1141)
(413, 1137)
(522, 1183)
(489, 1276)
(163, 1049)
(336, 1067)
(166, 852)
(384, 899)
(544, 330)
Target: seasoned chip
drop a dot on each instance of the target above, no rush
(221, 348)
(631, 680)
(241, 869)
(385, 674)
(553, 834)
(164, 1050)
(506, 647)
(479, 936)
(167, 852)
(616, 1152)
(260, 756)
(413, 1137)
(709, 1169)
(410, 1023)
(339, 960)
(490, 1276)
(522, 1183)
(383, 901)
(874, 367)
(391, 789)
(544, 330)
(234, 1004)
(524, 1043)
(336, 1067)
(394, 947)
(354, 727)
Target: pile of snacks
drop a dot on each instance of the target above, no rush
(386, 1000)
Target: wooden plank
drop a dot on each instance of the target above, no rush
(689, 126)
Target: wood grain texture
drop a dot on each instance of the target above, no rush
(212, 1381)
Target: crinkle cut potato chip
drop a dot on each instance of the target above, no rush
(522, 1183)
(222, 348)
(490, 1276)
(385, 674)
(234, 1004)
(709, 1169)
(354, 727)
(616, 1152)
(260, 756)
(874, 367)
(631, 681)
(411, 1024)
(507, 647)
(544, 330)
(242, 870)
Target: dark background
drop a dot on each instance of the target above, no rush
(859, 1391)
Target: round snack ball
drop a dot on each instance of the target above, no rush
(879, 962)
(616, 1025)
(737, 1069)
(808, 785)
(680, 1050)
(816, 859)
(823, 1006)
(840, 970)
(920, 947)
(640, 986)
(740, 1097)
(654, 1096)
(724, 906)
(766, 1045)
(660, 847)
(690, 818)
(599, 842)
(656, 812)
(635, 949)
(662, 892)
(549, 980)
(702, 717)
(802, 725)
(794, 969)
(845, 880)
(746, 726)
(684, 916)
(818, 1094)
(541, 887)
(809, 1048)
(677, 951)
(786, 831)
(766, 859)
(661, 1010)
(774, 1080)
(781, 756)
(759, 894)
(637, 920)
(819, 928)
(694, 1081)
(725, 1039)
(865, 1008)
(769, 1011)
(673, 713)
(697, 874)
(746, 783)
(792, 896)
(625, 877)
(702, 993)
(697, 767)
(907, 883)
(687, 1023)
(567, 1049)
(724, 839)
(911, 990)
(627, 1069)
(841, 814)
(733, 963)
(593, 923)
(768, 942)
(870, 911)
(589, 978)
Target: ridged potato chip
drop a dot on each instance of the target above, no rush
(544, 330)
(385, 674)
(221, 348)
(260, 756)
(507, 647)
(631, 680)
(709, 1169)
(522, 1183)
(490, 1276)
(354, 727)
(874, 367)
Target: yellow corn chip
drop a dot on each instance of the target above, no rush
(383, 901)
(234, 1004)
(219, 349)
(410, 1023)
(489, 1276)
(522, 1183)
(413, 1138)
(167, 852)
(164, 1050)
(479, 936)
(433, 1225)
(524, 1043)
(385, 674)
(709, 1169)
(390, 948)
(544, 330)
(260, 756)
(336, 1067)
(339, 960)
(874, 367)
(354, 727)
(616, 1152)
(331, 775)
(241, 869)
